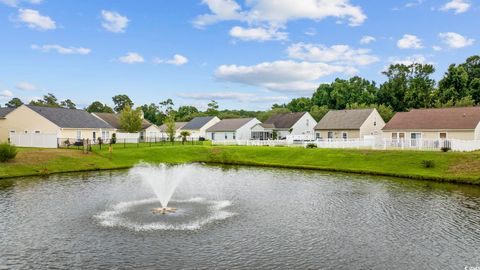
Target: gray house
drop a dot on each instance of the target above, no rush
(199, 125)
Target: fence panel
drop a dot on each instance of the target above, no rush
(34, 140)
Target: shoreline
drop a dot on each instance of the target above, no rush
(361, 162)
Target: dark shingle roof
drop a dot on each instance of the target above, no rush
(68, 118)
(229, 124)
(5, 111)
(344, 119)
(285, 120)
(445, 118)
(178, 125)
(114, 120)
(198, 122)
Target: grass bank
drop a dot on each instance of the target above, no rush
(449, 167)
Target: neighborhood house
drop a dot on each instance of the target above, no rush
(63, 124)
(349, 124)
(434, 124)
(199, 125)
(283, 125)
(178, 129)
(148, 130)
(232, 129)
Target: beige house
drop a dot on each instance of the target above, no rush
(66, 124)
(434, 124)
(349, 124)
(148, 130)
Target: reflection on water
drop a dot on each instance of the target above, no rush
(237, 217)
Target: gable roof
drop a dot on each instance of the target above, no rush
(444, 118)
(285, 120)
(229, 124)
(5, 111)
(178, 125)
(114, 120)
(69, 118)
(344, 119)
(198, 122)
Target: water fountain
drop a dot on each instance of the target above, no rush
(163, 180)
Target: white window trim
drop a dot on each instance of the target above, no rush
(344, 132)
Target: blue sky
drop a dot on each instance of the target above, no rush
(244, 54)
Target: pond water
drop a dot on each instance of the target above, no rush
(238, 218)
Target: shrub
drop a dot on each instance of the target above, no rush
(445, 149)
(114, 138)
(7, 152)
(428, 163)
(311, 145)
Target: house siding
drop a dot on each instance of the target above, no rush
(304, 125)
(433, 134)
(24, 119)
(372, 126)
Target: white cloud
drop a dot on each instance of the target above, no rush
(338, 54)
(6, 94)
(280, 12)
(35, 20)
(14, 3)
(177, 60)
(237, 96)
(131, 58)
(61, 50)
(367, 40)
(455, 40)
(409, 42)
(257, 33)
(436, 48)
(114, 22)
(414, 59)
(26, 86)
(458, 6)
(284, 76)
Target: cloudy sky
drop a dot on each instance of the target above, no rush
(246, 54)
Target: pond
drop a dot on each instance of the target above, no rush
(238, 218)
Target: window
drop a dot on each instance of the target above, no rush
(375, 123)
(226, 137)
(79, 135)
(12, 131)
(443, 135)
(394, 136)
(330, 135)
(213, 136)
(345, 135)
(234, 135)
(415, 137)
(37, 131)
(317, 135)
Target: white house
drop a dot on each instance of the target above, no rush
(178, 129)
(285, 124)
(232, 129)
(198, 126)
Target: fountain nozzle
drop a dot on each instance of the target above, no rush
(164, 210)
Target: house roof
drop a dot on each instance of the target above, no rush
(444, 118)
(5, 111)
(114, 120)
(267, 125)
(198, 122)
(344, 119)
(229, 124)
(285, 120)
(178, 125)
(69, 118)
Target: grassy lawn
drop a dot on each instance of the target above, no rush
(452, 167)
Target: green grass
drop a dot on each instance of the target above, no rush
(450, 167)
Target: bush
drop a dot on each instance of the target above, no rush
(114, 138)
(445, 149)
(428, 163)
(7, 152)
(311, 145)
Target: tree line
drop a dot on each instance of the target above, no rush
(406, 87)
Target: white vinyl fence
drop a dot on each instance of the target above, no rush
(34, 140)
(367, 143)
(128, 137)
